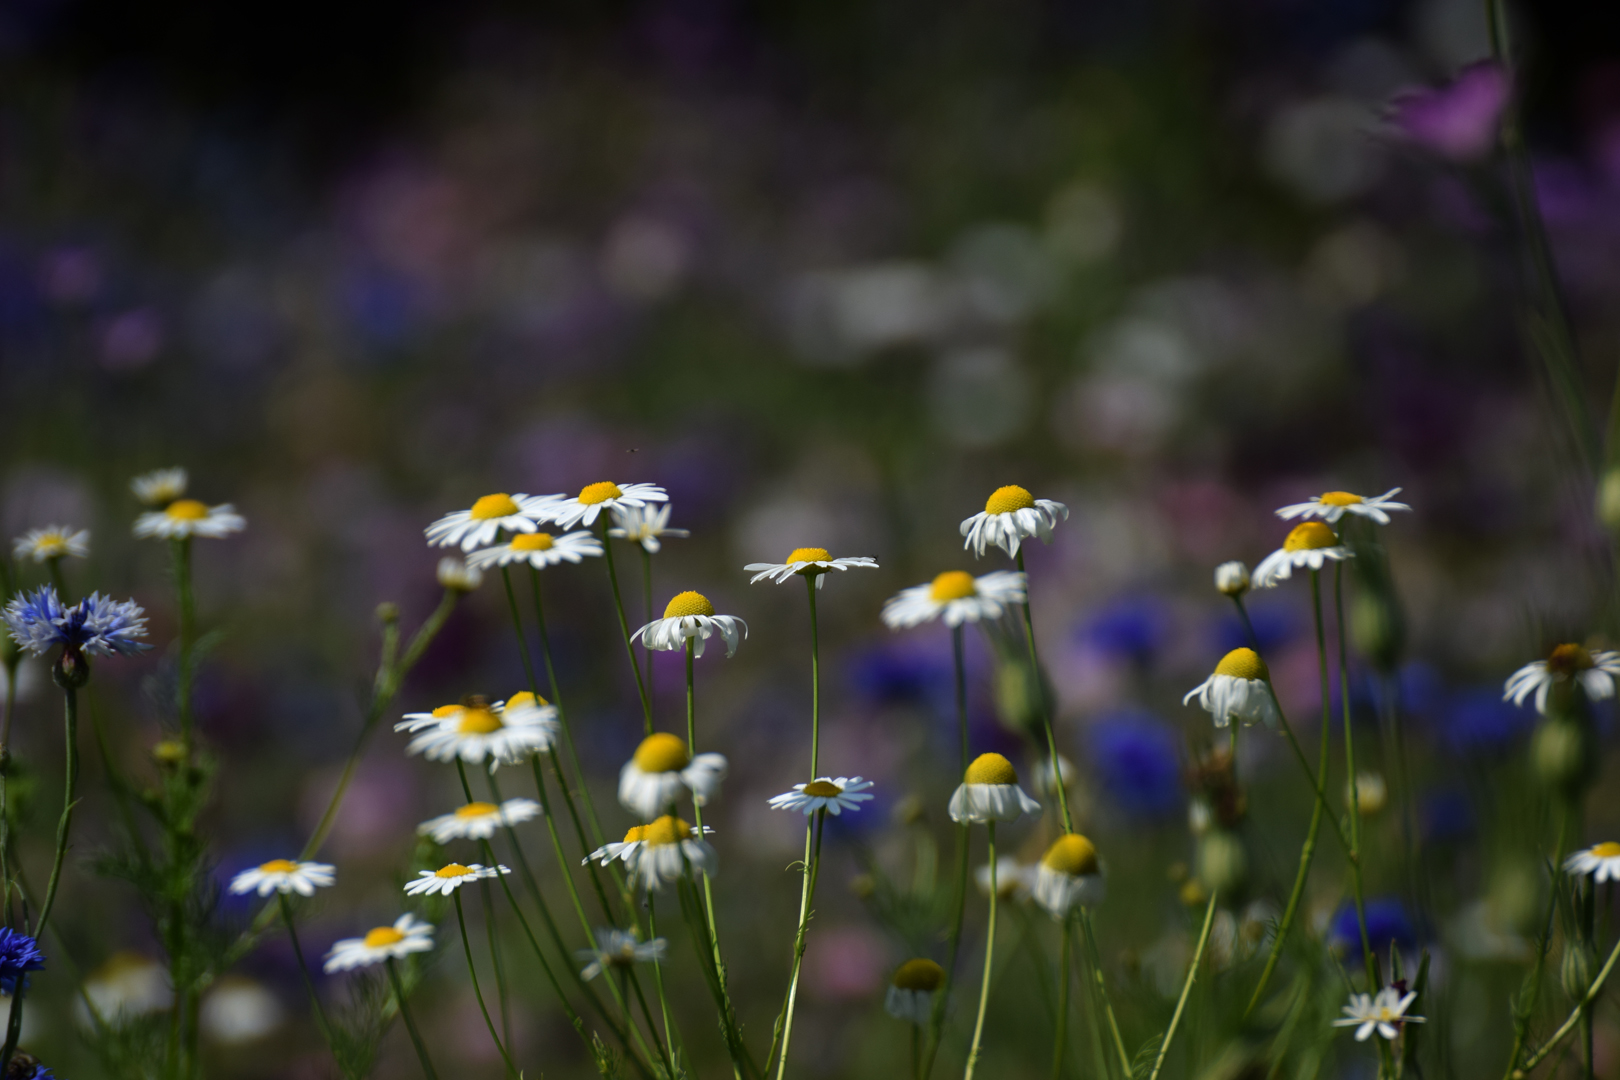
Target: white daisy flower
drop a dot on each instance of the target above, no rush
(284, 876)
(483, 521)
(646, 525)
(824, 793)
(690, 615)
(458, 574)
(1307, 546)
(1333, 505)
(1595, 671)
(538, 549)
(1011, 515)
(478, 820)
(54, 542)
(1046, 778)
(990, 792)
(1013, 879)
(806, 562)
(450, 877)
(1384, 1014)
(1602, 861)
(1240, 687)
(584, 508)
(625, 850)
(408, 935)
(668, 846)
(477, 730)
(912, 989)
(1232, 578)
(160, 487)
(1069, 876)
(185, 518)
(661, 769)
(956, 595)
(618, 949)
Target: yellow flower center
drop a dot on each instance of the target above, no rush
(688, 603)
(1569, 658)
(920, 974)
(1606, 850)
(1310, 535)
(952, 585)
(186, 510)
(591, 494)
(1243, 664)
(991, 769)
(1073, 855)
(525, 699)
(494, 506)
(452, 870)
(476, 809)
(1340, 498)
(809, 555)
(532, 542)
(1004, 500)
(444, 711)
(822, 788)
(383, 936)
(478, 722)
(278, 866)
(635, 834)
(668, 829)
(662, 752)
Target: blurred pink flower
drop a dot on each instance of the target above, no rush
(131, 340)
(1457, 121)
(846, 962)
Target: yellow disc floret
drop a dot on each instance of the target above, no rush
(494, 506)
(1310, 535)
(478, 722)
(809, 555)
(477, 809)
(688, 603)
(444, 711)
(990, 769)
(278, 866)
(525, 699)
(452, 870)
(822, 788)
(538, 541)
(919, 974)
(952, 585)
(668, 829)
(662, 752)
(382, 937)
(1569, 658)
(591, 494)
(1073, 855)
(1606, 850)
(1243, 664)
(635, 834)
(1004, 500)
(187, 510)
(1340, 498)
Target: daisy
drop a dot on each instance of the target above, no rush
(450, 877)
(97, 625)
(625, 850)
(1602, 861)
(476, 730)
(1069, 876)
(484, 520)
(958, 596)
(912, 989)
(1333, 505)
(990, 792)
(690, 615)
(160, 487)
(53, 542)
(668, 846)
(1240, 687)
(618, 949)
(1232, 578)
(1595, 671)
(1384, 1013)
(661, 768)
(408, 935)
(1308, 545)
(458, 575)
(824, 793)
(1013, 878)
(1011, 515)
(538, 549)
(584, 508)
(284, 876)
(645, 525)
(478, 820)
(806, 562)
(185, 518)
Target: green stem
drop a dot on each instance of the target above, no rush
(815, 681)
(71, 725)
(960, 679)
(1040, 696)
(5, 773)
(488, 896)
(1062, 1032)
(989, 957)
(472, 971)
(1102, 990)
(562, 713)
(1527, 1008)
(1581, 1009)
(1186, 989)
(57, 581)
(806, 897)
(410, 1024)
(303, 967)
(624, 631)
(1350, 767)
(517, 628)
(180, 549)
(646, 592)
(671, 1035)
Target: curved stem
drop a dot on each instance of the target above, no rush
(1102, 990)
(410, 1024)
(989, 958)
(1582, 1008)
(624, 630)
(472, 971)
(806, 896)
(488, 896)
(1186, 988)
(303, 967)
(1040, 696)
(64, 824)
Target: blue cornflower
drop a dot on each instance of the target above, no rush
(1477, 720)
(1387, 922)
(97, 625)
(27, 1067)
(19, 953)
(1131, 628)
(1135, 757)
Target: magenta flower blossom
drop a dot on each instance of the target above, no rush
(1457, 121)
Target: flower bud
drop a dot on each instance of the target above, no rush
(71, 670)
(1223, 865)
(169, 752)
(1372, 794)
(387, 612)
(1580, 961)
(1018, 696)
(1232, 578)
(454, 574)
(1608, 500)
(1558, 753)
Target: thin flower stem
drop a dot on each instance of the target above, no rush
(1186, 988)
(1040, 696)
(646, 592)
(1102, 989)
(488, 896)
(517, 627)
(697, 813)
(410, 1024)
(180, 549)
(57, 581)
(472, 971)
(624, 631)
(1248, 625)
(806, 897)
(1526, 1010)
(1062, 1026)
(741, 1061)
(562, 713)
(1582, 1009)
(815, 681)
(1350, 769)
(989, 957)
(5, 773)
(915, 1031)
(14, 1019)
(303, 968)
(641, 998)
(672, 1037)
(1099, 1059)
(959, 674)
(70, 700)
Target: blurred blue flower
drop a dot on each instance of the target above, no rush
(97, 625)
(1130, 628)
(1446, 817)
(1387, 921)
(1271, 628)
(1477, 720)
(889, 674)
(1134, 755)
(19, 954)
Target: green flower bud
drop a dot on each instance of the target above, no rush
(1223, 865)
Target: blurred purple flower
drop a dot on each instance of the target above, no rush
(1477, 720)
(131, 340)
(70, 275)
(1131, 628)
(1457, 121)
(1134, 756)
